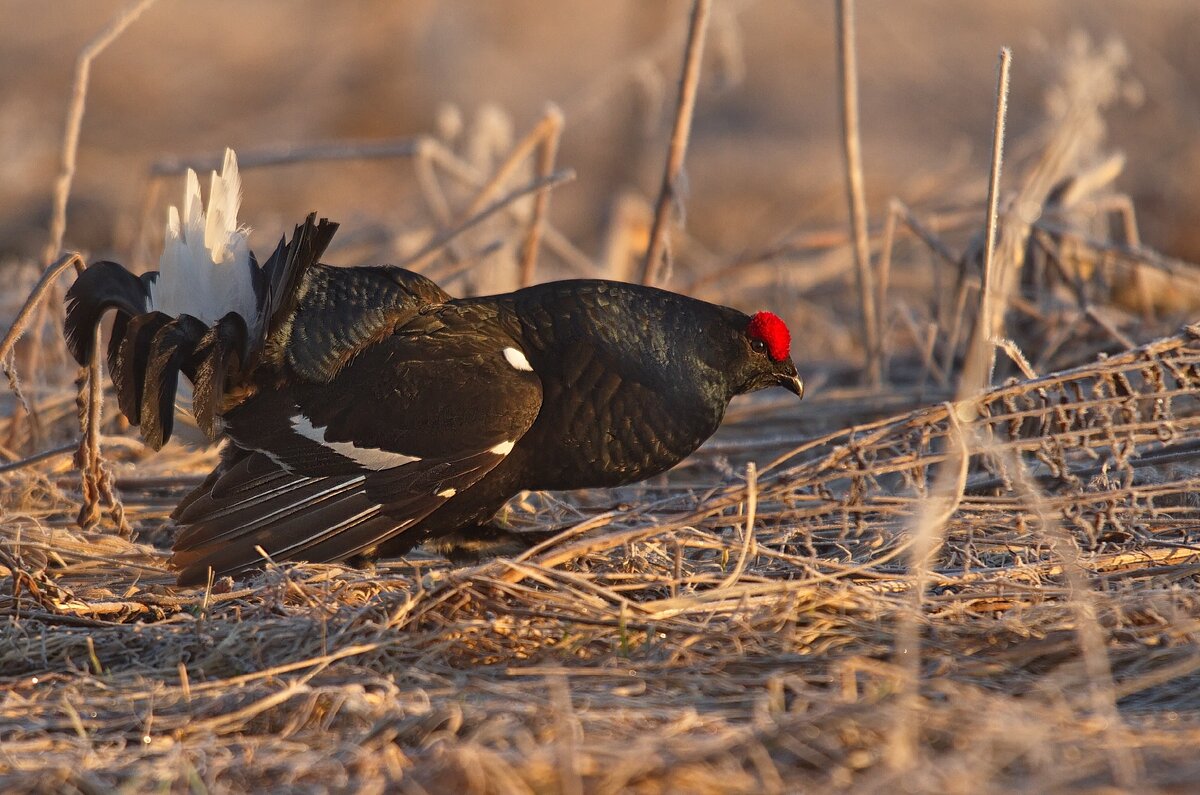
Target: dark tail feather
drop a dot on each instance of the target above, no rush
(103, 286)
(149, 349)
(284, 274)
(170, 351)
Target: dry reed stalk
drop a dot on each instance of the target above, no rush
(79, 88)
(929, 525)
(689, 82)
(855, 194)
(981, 351)
(74, 124)
(547, 150)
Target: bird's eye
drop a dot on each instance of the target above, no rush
(758, 345)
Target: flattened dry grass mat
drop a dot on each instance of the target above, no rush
(673, 638)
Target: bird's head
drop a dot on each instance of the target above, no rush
(766, 359)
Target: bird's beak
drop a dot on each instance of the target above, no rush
(791, 382)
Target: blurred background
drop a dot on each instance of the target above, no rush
(764, 191)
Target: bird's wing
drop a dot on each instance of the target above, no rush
(337, 312)
(337, 468)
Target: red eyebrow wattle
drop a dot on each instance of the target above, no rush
(771, 330)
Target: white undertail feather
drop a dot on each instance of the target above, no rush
(205, 268)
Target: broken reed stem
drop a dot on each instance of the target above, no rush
(681, 132)
(983, 351)
(271, 156)
(421, 258)
(852, 149)
(997, 161)
(97, 484)
(547, 151)
(37, 297)
(885, 273)
(87, 457)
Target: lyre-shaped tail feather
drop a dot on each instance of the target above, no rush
(171, 350)
(218, 358)
(103, 286)
(127, 367)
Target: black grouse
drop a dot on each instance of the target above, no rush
(367, 411)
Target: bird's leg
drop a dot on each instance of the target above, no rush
(478, 542)
(363, 560)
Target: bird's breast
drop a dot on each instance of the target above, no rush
(598, 427)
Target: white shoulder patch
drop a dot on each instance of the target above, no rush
(504, 448)
(517, 359)
(369, 457)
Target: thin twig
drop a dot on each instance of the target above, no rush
(684, 110)
(289, 154)
(421, 258)
(748, 535)
(79, 89)
(38, 458)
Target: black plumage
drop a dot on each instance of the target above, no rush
(370, 411)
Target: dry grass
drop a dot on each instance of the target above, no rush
(738, 625)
